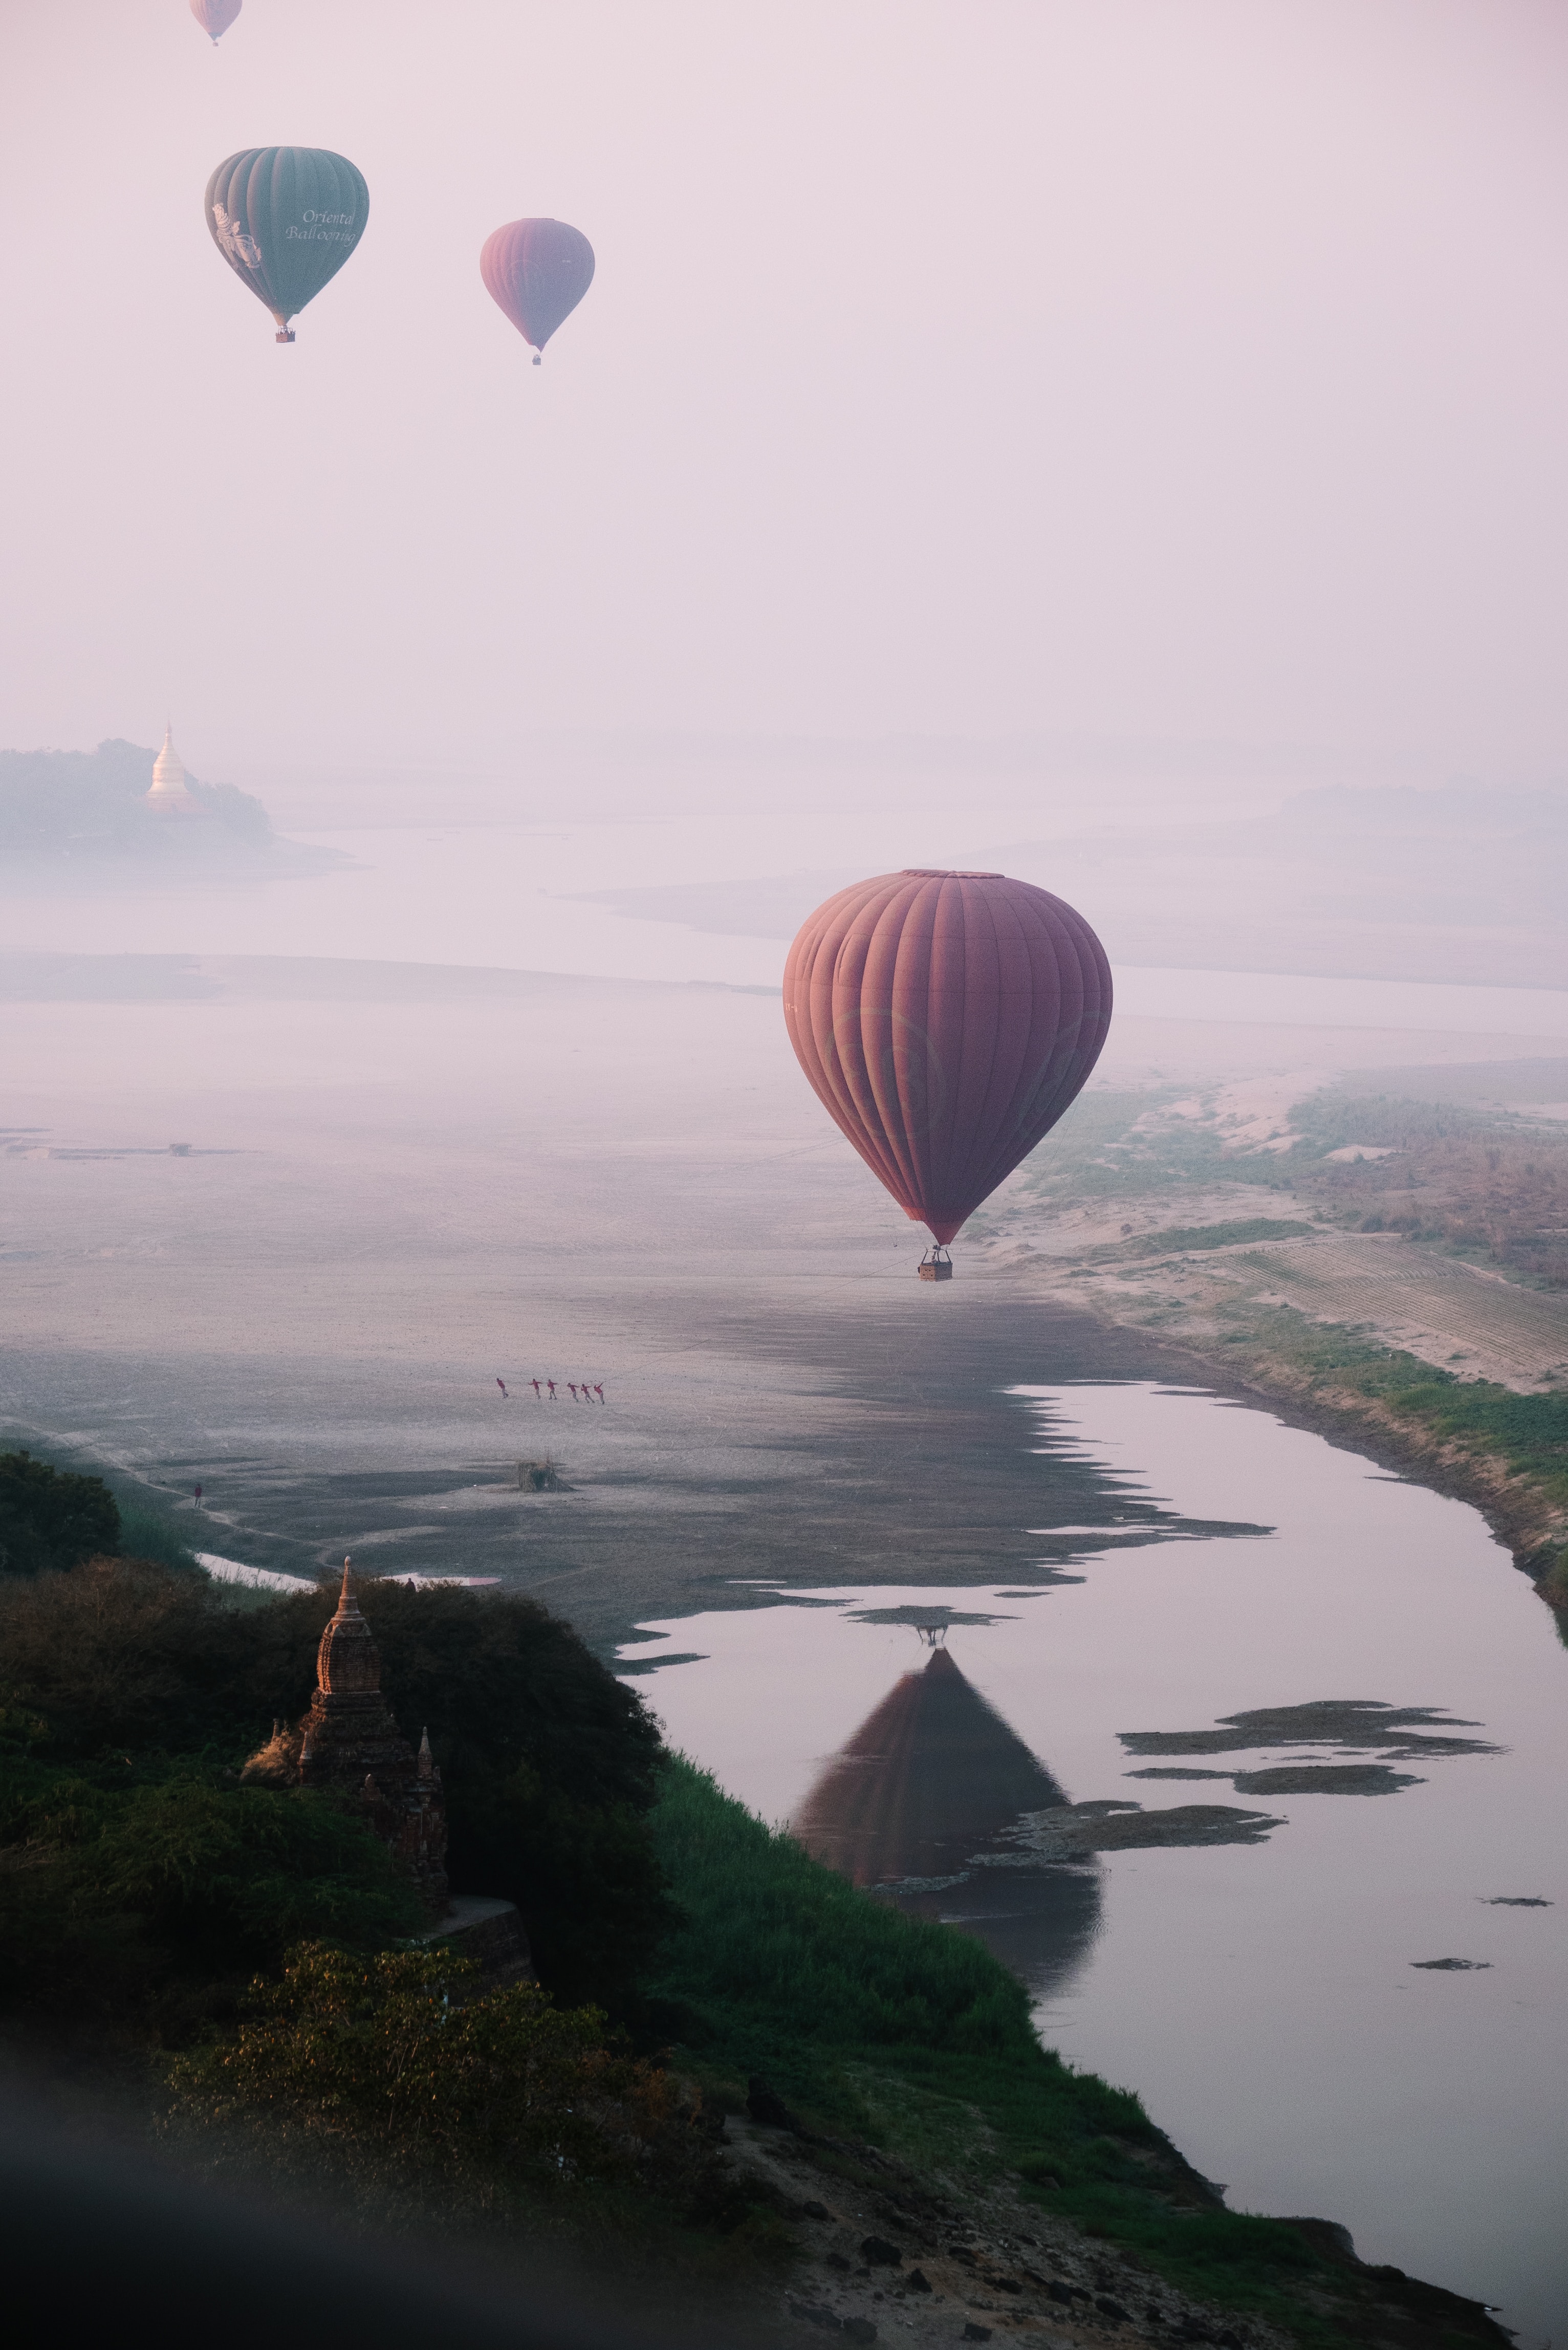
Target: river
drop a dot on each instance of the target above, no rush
(394, 1200)
(1275, 2003)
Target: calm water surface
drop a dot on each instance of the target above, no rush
(1268, 2000)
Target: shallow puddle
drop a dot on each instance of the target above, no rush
(1345, 1724)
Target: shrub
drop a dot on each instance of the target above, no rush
(375, 2055)
(118, 1653)
(51, 1519)
(113, 1894)
(549, 1762)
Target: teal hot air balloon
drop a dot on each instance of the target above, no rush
(285, 219)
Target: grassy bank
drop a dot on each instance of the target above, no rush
(1454, 1179)
(1505, 1452)
(910, 2036)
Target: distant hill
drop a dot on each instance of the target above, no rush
(92, 804)
(1463, 884)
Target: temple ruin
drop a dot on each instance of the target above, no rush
(349, 1747)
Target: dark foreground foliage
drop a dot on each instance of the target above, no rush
(385, 2059)
(121, 1675)
(51, 1519)
(145, 1905)
(145, 1883)
(53, 1516)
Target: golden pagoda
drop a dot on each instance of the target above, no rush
(170, 794)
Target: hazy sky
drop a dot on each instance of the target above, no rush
(1177, 370)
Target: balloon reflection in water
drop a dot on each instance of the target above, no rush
(917, 1804)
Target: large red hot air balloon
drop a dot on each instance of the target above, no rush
(538, 271)
(214, 16)
(946, 1021)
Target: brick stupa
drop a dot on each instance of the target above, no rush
(350, 1747)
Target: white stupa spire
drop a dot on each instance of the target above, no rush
(169, 792)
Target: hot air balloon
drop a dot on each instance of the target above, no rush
(215, 17)
(285, 219)
(946, 1021)
(538, 271)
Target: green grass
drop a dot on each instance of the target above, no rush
(914, 2037)
(1215, 1236)
(776, 1948)
(1528, 1433)
(149, 1529)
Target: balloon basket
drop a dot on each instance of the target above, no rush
(936, 1265)
(286, 336)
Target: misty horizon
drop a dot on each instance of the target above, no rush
(1243, 429)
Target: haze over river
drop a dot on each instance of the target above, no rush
(406, 1180)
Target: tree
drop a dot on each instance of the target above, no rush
(50, 1519)
(551, 1764)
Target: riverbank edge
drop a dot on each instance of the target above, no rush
(998, 2142)
(1529, 1520)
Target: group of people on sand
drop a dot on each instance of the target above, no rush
(581, 1390)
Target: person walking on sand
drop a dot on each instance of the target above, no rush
(551, 1385)
(573, 1385)
(599, 1389)
(501, 1385)
(536, 1390)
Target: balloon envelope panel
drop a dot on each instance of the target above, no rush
(946, 1021)
(285, 219)
(537, 271)
(214, 16)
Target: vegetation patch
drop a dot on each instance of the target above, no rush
(915, 2038)
(146, 1904)
(1527, 1434)
(121, 1676)
(1217, 1236)
(393, 2060)
(1124, 1146)
(1494, 1188)
(259, 1938)
(52, 1518)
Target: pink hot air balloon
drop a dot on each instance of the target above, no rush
(215, 17)
(538, 271)
(946, 1021)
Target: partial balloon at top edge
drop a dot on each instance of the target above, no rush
(215, 17)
